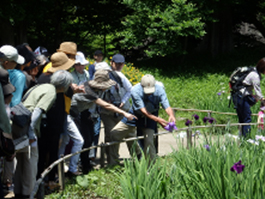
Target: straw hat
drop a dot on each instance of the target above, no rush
(60, 61)
(101, 80)
(68, 47)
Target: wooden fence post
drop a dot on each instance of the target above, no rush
(189, 138)
(102, 154)
(61, 174)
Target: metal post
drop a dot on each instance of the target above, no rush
(61, 174)
(102, 154)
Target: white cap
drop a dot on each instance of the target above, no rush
(148, 84)
(11, 54)
(102, 65)
(80, 58)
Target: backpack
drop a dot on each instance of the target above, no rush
(119, 91)
(237, 78)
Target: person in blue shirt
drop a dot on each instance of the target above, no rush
(146, 99)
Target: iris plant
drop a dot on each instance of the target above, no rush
(238, 167)
(170, 126)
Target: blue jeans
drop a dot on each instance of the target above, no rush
(97, 126)
(243, 112)
(78, 141)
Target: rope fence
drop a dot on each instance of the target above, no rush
(39, 185)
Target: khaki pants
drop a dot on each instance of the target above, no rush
(26, 170)
(109, 121)
(118, 133)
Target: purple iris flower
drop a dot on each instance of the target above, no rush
(171, 126)
(238, 167)
(211, 120)
(188, 122)
(219, 93)
(196, 117)
(205, 119)
(207, 147)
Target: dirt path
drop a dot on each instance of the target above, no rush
(166, 143)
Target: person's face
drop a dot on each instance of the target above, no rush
(33, 72)
(98, 58)
(117, 66)
(9, 64)
(79, 68)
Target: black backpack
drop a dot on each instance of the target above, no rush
(237, 78)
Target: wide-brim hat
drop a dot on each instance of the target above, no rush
(68, 47)
(80, 59)
(60, 61)
(101, 80)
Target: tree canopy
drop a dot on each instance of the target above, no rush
(148, 27)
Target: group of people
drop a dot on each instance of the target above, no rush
(67, 105)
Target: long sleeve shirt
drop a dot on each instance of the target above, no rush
(252, 82)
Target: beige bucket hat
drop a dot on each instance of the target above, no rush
(68, 47)
(60, 61)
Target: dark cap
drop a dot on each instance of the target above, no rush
(42, 51)
(26, 53)
(8, 88)
(118, 58)
(98, 52)
(2, 55)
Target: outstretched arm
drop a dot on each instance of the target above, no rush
(113, 108)
(161, 121)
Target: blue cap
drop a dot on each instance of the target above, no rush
(118, 58)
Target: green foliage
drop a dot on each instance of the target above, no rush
(199, 173)
(141, 181)
(160, 25)
(97, 184)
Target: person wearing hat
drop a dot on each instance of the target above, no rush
(53, 125)
(146, 99)
(118, 95)
(83, 121)
(93, 91)
(80, 75)
(17, 77)
(117, 62)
